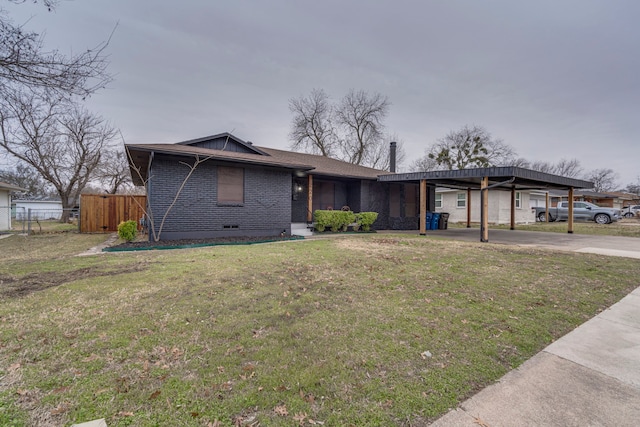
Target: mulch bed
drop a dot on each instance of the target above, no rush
(191, 243)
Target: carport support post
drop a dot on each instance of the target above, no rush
(423, 207)
(484, 209)
(468, 207)
(570, 219)
(310, 198)
(513, 208)
(546, 207)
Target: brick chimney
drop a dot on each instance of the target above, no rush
(392, 156)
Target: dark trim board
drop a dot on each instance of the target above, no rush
(472, 178)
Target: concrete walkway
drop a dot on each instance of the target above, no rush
(97, 250)
(589, 377)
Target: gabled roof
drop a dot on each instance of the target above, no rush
(226, 136)
(139, 155)
(11, 187)
(326, 165)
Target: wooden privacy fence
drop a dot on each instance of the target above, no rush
(101, 213)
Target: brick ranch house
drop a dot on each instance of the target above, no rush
(239, 189)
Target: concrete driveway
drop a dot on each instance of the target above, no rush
(605, 245)
(589, 377)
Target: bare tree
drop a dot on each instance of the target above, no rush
(25, 63)
(155, 228)
(360, 115)
(62, 142)
(634, 187)
(570, 168)
(113, 171)
(379, 154)
(352, 130)
(603, 179)
(468, 147)
(24, 176)
(423, 164)
(312, 128)
(520, 162)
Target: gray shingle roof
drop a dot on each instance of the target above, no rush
(313, 164)
(325, 165)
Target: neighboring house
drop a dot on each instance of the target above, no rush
(455, 202)
(614, 199)
(38, 209)
(242, 189)
(5, 204)
(624, 199)
(538, 199)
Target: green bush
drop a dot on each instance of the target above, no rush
(127, 230)
(366, 219)
(335, 220)
(321, 219)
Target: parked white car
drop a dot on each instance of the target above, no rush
(630, 211)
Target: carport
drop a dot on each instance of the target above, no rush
(484, 179)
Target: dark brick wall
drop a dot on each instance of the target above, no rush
(340, 195)
(266, 210)
(375, 198)
(354, 196)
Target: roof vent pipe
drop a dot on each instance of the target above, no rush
(392, 156)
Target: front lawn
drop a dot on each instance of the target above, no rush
(356, 330)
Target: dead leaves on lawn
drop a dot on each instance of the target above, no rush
(281, 410)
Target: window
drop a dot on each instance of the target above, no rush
(324, 195)
(462, 200)
(438, 200)
(394, 200)
(410, 200)
(518, 200)
(230, 185)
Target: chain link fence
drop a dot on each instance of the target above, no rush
(21, 220)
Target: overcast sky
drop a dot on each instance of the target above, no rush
(552, 78)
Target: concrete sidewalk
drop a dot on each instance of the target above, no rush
(589, 377)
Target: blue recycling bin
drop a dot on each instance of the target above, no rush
(428, 220)
(434, 221)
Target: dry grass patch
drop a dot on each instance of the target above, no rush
(362, 330)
